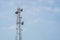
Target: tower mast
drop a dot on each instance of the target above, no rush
(18, 24)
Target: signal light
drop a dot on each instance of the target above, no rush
(22, 23)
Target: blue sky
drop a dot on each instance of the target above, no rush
(41, 17)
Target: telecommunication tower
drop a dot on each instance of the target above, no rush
(18, 24)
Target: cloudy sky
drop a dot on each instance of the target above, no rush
(41, 19)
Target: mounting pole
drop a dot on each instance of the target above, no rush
(18, 24)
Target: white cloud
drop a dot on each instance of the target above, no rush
(48, 1)
(39, 10)
(51, 1)
(13, 27)
(34, 21)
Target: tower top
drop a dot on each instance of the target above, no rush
(18, 10)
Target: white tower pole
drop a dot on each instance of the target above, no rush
(18, 28)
